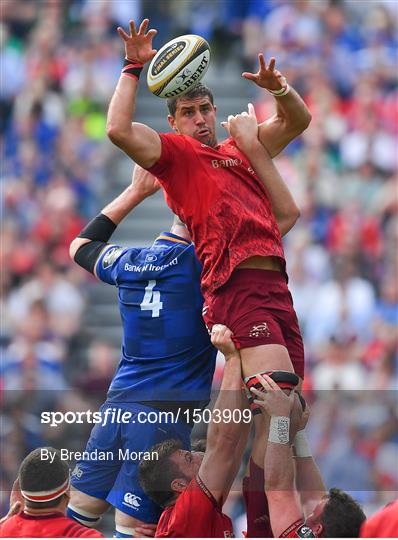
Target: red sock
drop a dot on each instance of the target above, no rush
(258, 522)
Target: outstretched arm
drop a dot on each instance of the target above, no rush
(244, 130)
(292, 115)
(142, 186)
(309, 481)
(138, 141)
(226, 434)
(284, 505)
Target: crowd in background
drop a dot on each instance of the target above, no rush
(59, 64)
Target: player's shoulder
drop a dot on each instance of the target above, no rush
(75, 530)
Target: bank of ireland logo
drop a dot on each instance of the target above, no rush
(150, 258)
(132, 500)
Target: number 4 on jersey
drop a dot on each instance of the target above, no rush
(151, 300)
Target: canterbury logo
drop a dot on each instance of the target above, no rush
(260, 330)
(132, 500)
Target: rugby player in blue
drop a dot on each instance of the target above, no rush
(167, 360)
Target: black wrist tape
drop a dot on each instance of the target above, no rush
(100, 228)
(131, 68)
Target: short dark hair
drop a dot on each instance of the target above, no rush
(342, 516)
(200, 90)
(37, 474)
(156, 475)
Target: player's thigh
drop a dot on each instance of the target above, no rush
(87, 503)
(95, 475)
(265, 358)
(125, 520)
(138, 438)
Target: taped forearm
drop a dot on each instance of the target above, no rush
(292, 109)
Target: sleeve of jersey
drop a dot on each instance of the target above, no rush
(107, 265)
(171, 169)
(190, 514)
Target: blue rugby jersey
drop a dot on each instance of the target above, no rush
(166, 352)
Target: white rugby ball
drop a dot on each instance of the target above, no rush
(178, 66)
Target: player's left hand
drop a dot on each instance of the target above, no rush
(221, 337)
(243, 127)
(267, 76)
(145, 531)
(272, 399)
(144, 183)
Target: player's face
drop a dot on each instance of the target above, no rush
(314, 519)
(196, 118)
(188, 462)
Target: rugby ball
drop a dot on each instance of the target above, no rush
(178, 66)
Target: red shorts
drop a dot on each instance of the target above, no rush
(258, 307)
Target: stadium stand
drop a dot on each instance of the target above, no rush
(60, 61)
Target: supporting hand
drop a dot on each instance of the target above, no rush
(144, 183)
(221, 337)
(273, 400)
(243, 128)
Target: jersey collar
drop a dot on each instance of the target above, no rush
(168, 237)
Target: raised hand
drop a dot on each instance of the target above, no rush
(267, 76)
(138, 45)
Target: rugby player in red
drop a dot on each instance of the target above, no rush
(383, 524)
(299, 507)
(220, 191)
(45, 489)
(193, 486)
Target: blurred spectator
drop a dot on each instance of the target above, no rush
(60, 61)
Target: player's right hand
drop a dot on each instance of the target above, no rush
(272, 399)
(138, 45)
(221, 337)
(146, 530)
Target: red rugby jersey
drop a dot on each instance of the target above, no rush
(195, 514)
(384, 524)
(54, 525)
(221, 200)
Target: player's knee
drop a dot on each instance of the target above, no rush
(286, 380)
(86, 509)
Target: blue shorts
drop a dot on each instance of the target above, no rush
(114, 476)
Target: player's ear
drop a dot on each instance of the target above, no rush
(172, 122)
(66, 496)
(178, 485)
(318, 530)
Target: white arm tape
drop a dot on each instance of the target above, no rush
(279, 429)
(282, 91)
(301, 446)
